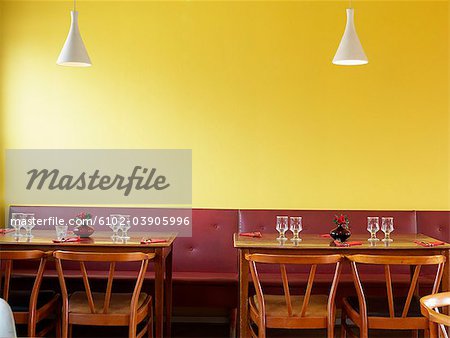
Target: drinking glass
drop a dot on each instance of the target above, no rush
(115, 220)
(29, 225)
(373, 225)
(17, 222)
(387, 226)
(296, 227)
(125, 225)
(282, 226)
(61, 232)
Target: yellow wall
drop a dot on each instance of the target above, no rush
(250, 87)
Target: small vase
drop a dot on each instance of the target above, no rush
(84, 231)
(340, 233)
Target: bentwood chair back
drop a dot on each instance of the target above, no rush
(106, 308)
(392, 312)
(29, 307)
(429, 306)
(313, 311)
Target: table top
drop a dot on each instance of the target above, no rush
(98, 239)
(315, 241)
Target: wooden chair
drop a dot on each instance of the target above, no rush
(292, 312)
(429, 306)
(29, 307)
(394, 313)
(106, 308)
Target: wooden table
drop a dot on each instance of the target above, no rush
(102, 242)
(313, 244)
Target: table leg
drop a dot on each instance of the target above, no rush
(243, 294)
(446, 275)
(159, 292)
(445, 286)
(168, 294)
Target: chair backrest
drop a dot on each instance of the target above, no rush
(112, 259)
(6, 271)
(413, 261)
(282, 261)
(429, 306)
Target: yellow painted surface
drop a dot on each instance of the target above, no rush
(250, 88)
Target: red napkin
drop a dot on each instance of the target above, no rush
(255, 234)
(428, 244)
(153, 240)
(67, 239)
(325, 236)
(340, 244)
(5, 231)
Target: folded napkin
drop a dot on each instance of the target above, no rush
(325, 236)
(153, 240)
(340, 244)
(67, 239)
(255, 234)
(5, 231)
(427, 244)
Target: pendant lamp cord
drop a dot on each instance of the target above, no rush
(349, 3)
(74, 5)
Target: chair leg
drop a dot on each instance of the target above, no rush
(32, 326)
(58, 329)
(65, 325)
(433, 328)
(261, 331)
(150, 321)
(415, 334)
(233, 322)
(70, 330)
(343, 324)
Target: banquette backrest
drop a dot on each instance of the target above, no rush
(210, 249)
(321, 221)
(435, 224)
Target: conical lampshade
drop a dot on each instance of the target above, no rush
(74, 53)
(350, 51)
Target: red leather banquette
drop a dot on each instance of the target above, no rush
(206, 266)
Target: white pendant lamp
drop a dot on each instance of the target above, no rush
(74, 54)
(350, 51)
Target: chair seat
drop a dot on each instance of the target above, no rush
(119, 303)
(378, 306)
(276, 305)
(20, 300)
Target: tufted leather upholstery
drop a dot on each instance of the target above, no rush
(210, 249)
(321, 221)
(435, 224)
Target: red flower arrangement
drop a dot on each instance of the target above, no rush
(83, 215)
(341, 220)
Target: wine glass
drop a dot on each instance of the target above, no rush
(115, 220)
(61, 232)
(17, 222)
(296, 227)
(387, 226)
(125, 225)
(29, 225)
(282, 226)
(373, 225)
